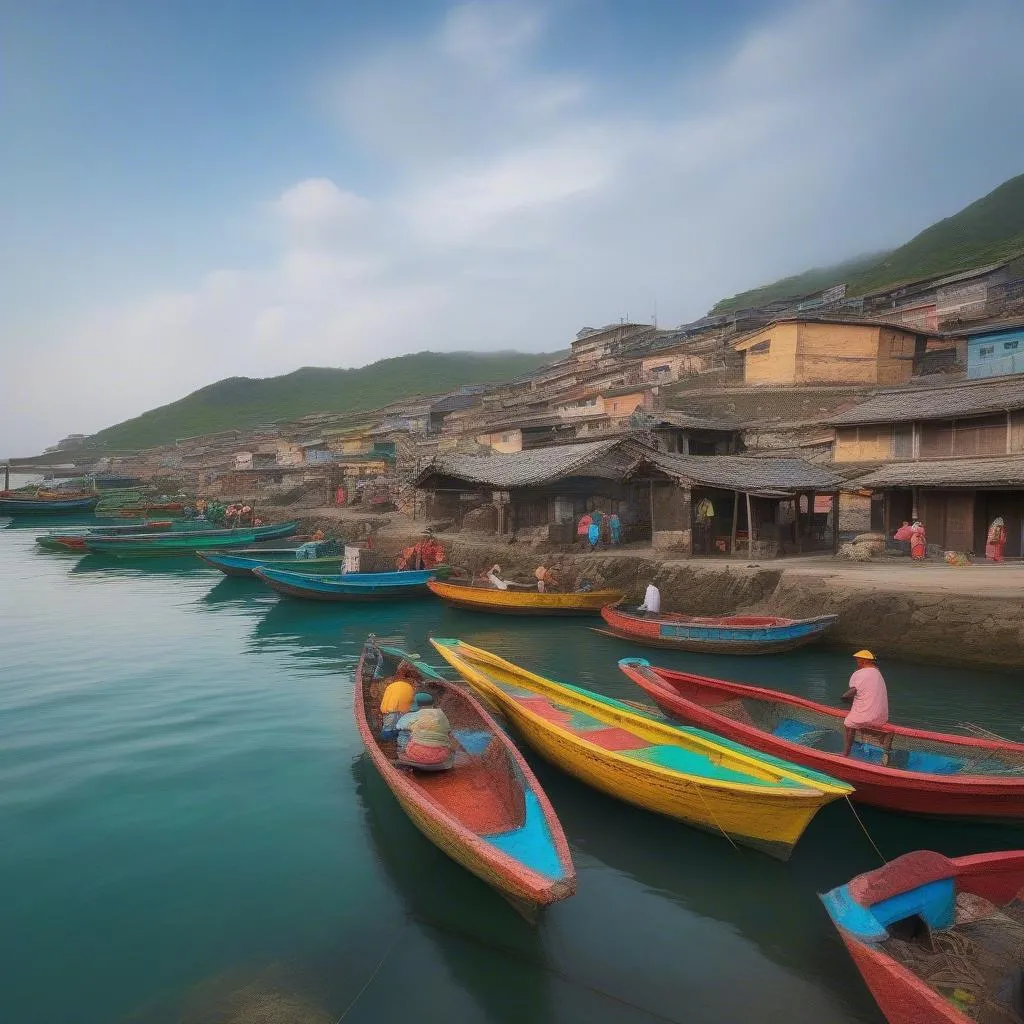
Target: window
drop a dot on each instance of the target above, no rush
(505, 438)
(986, 350)
(762, 348)
(1008, 346)
(903, 441)
(896, 345)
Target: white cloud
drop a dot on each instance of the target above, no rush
(513, 203)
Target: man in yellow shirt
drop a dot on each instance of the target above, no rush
(396, 701)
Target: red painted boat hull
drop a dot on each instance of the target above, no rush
(692, 699)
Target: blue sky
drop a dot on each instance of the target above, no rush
(193, 190)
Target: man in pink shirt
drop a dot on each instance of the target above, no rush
(870, 704)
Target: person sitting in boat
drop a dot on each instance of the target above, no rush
(869, 711)
(425, 736)
(546, 579)
(397, 700)
(494, 578)
(652, 601)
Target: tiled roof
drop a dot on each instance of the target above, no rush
(972, 472)
(537, 466)
(453, 403)
(678, 418)
(744, 473)
(936, 403)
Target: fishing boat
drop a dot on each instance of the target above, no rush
(246, 560)
(74, 540)
(487, 811)
(698, 778)
(484, 598)
(938, 940)
(10, 505)
(356, 586)
(928, 772)
(720, 634)
(186, 541)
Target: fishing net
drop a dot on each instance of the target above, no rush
(977, 964)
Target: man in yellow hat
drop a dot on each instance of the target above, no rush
(869, 712)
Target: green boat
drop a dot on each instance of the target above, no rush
(183, 542)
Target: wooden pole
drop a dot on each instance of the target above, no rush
(7, 477)
(835, 522)
(652, 512)
(735, 518)
(750, 529)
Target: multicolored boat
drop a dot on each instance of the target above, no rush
(15, 506)
(484, 598)
(719, 634)
(74, 540)
(928, 772)
(698, 778)
(487, 811)
(355, 586)
(244, 561)
(938, 940)
(183, 542)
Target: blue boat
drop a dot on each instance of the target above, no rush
(720, 634)
(46, 506)
(363, 586)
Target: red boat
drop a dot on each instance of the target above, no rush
(938, 940)
(928, 772)
(719, 634)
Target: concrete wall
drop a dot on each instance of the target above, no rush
(777, 365)
(505, 442)
(624, 405)
(868, 443)
(853, 353)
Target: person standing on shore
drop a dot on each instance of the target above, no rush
(614, 529)
(995, 543)
(583, 529)
(918, 541)
(869, 711)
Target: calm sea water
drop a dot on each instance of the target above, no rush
(190, 831)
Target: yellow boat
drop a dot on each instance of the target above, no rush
(685, 773)
(524, 602)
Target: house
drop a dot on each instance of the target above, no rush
(996, 350)
(594, 344)
(315, 451)
(817, 351)
(458, 402)
(289, 453)
(951, 456)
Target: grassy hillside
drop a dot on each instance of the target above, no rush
(240, 402)
(987, 231)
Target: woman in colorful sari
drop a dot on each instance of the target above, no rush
(614, 528)
(918, 542)
(995, 543)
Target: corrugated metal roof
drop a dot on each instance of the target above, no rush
(936, 403)
(974, 472)
(744, 473)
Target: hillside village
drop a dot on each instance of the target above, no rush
(768, 431)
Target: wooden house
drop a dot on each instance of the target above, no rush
(824, 351)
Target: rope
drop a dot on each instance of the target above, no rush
(714, 819)
(373, 974)
(853, 809)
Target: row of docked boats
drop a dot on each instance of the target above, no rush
(770, 764)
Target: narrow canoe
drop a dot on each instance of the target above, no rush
(242, 563)
(723, 634)
(937, 940)
(59, 540)
(356, 586)
(180, 542)
(488, 811)
(928, 772)
(35, 506)
(686, 774)
(523, 602)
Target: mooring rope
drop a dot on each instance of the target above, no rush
(853, 809)
(711, 813)
(373, 973)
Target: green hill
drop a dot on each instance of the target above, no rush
(241, 402)
(988, 231)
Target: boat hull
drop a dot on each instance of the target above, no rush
(352, 587)
(46, 506)
(441, 818)
(737, 634)
(183, 542)
(765, 817)
(522, 602)
(243, 565)
(692, 700)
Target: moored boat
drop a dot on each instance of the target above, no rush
(74, 540)
(186, 541)
(719, 634)
(523, 602)
(928, 772)
(356, 586)
(244, 561)
(10, 505)
(487, 811)
(687, 774)
(938, 940)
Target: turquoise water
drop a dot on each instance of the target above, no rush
(190, 831)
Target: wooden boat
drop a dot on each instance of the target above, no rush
(938, 940)
(14, 506)
(186, 541)
(687, 774)
(928, 772)
(487, 812)
(74, 540)
(166, 508)
(523, 602)
(356, 586)
(720, 634)
(244, 561)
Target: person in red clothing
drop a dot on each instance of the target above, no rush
(583, 528)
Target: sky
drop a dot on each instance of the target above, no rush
(198, 189)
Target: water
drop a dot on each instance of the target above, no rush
(190, 831)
